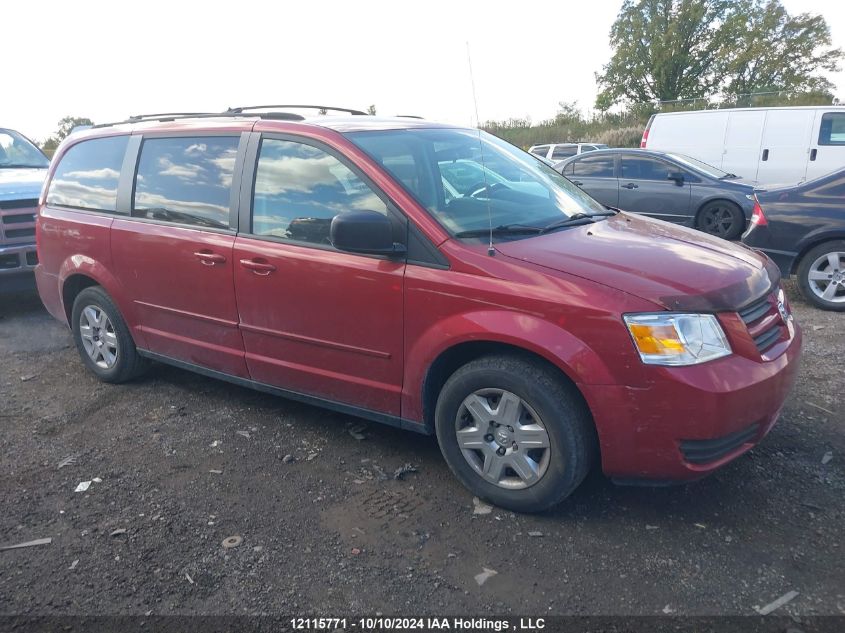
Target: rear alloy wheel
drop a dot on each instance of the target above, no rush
(514, 432)
(821, 276)
(102, 337)
(721, 218)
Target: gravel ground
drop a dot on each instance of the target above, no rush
(182, 462)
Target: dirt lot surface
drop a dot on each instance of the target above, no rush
(182, 462)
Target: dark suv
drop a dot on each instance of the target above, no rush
(22, 170)
(430, 277)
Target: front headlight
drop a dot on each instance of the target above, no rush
(665, 338)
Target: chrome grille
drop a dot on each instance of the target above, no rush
(763, 321)
(17, 221)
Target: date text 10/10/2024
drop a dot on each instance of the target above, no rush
(381, 623)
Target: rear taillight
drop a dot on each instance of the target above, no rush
(758, 218)
(644, 139)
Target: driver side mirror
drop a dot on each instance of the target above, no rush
(677, 176)
(367, 232)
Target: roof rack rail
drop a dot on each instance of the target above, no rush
(239, 110)
(160, 115)
(230, 112)
(163, 116)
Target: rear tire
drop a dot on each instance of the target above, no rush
(821, 275)
(514, 432)
(103, 339)
(721, 218)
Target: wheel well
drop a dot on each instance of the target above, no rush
(73, 286)
(821, 239)
(455, 357)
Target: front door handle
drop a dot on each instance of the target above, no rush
(631, 185)
(765, 154)
(258, 267)
(209, 259)
(813, 153)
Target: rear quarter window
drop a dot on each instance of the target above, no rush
(87, 175)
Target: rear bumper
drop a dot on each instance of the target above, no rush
(50, 293)
(691, 420)
(17, 264)
(759, 238)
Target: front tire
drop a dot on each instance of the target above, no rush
(514, 432)
(102, 337)
(821, 276)
(721, 218)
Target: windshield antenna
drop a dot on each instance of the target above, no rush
(491, 251)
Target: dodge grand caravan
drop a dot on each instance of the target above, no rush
(421, 275)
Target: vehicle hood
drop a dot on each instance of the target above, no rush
(672, 266)
(21, 184)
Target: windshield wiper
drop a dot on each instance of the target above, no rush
(502, 229)
(573, 220)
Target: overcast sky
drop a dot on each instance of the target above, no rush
(109, 59)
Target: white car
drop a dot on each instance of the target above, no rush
(557, 152)
(765, 146)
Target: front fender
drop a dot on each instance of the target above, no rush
(525, 331)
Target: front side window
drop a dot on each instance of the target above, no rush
(593, 167)
(300, 188)
(468, 179)
(87, 175)
(186, 180)
(641, 168)
(832, 129)
(16, 152)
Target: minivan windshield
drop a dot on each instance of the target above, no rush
(471, 182)
(17, 152)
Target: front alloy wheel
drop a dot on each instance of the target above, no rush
(514, 431)
(502, 438)
(722, 219)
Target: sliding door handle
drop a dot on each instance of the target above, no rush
(258, 267)
(209, 259)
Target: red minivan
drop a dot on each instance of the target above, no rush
(422, 275)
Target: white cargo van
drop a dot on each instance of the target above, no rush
(765, 146)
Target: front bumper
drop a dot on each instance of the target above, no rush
(17, 264)
(691, 420)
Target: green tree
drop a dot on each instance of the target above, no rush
(66, 125)
(664, 50)
(773, 51)
(667, 50)
(371, 110)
